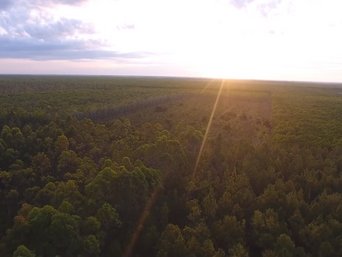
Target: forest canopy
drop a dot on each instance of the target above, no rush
(106, 166)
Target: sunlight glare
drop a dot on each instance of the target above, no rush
(205, 137)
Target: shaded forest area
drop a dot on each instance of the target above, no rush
(105, 166)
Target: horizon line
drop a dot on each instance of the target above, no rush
(171, 77)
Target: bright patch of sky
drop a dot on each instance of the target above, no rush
(252, 39)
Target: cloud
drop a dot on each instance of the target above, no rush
(5, 4)
(52, 2)
(58, 30)
(70, 2)
(262, 6)
(267, 6)
(240, 3)
(57, 50)
(55, 41)
(32, 33)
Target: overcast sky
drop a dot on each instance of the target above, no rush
(251, 39)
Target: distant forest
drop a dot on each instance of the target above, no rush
(111, 166)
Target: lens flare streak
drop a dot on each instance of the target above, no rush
(208, 128)
(155, 194)
(206, 86)
(142, 220)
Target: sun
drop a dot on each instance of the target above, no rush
(204, 38)
(218, 59)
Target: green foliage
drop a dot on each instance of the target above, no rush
(62, 144)
(172, 242)
(23, 251)
(68, 162)
(108, 217)
(229, 232)
(284, 246)
(90, 166)
(91, 246)
(238, 251)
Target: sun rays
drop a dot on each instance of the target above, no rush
(156, 192)
(208, 128)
